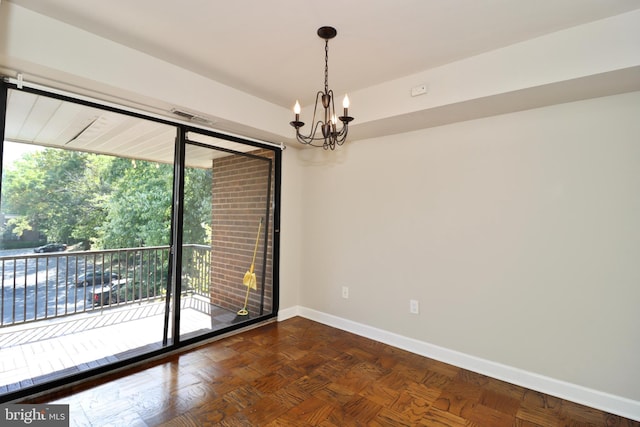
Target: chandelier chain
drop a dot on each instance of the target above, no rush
(326, 66)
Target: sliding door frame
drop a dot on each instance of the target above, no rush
(171, 336)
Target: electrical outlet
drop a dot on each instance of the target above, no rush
(345, 292)
(414, 306)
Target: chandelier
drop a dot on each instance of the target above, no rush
(325, 132)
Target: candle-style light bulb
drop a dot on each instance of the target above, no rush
(296, 110)
(345, 104)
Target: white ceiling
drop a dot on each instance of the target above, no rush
(270, 48)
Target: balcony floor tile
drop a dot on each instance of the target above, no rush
(39, 351)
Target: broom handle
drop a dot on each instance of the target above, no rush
(255, 250)
(246, 298)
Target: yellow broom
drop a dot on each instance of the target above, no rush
(249, 279)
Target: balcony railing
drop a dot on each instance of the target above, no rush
(37, 287)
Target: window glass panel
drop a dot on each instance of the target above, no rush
(85, 228)
(234, 207)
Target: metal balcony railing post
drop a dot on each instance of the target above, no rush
(24, 291)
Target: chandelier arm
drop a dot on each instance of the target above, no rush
(335, 133)
(311, 144)
(338, 135)
(319, 96)
(309, 139)
(332, 106)
(337, 138)
(329, 115)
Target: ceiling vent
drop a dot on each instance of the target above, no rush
(191, 117)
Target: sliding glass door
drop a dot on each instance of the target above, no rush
(227, 261)
(86, 226)
(124, 236)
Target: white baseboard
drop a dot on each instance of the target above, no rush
(288, 313)
(593, 398)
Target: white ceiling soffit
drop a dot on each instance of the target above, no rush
(49, 122)
(270, 49)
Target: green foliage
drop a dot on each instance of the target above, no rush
(108, 201)
(139, 206)
(19, 225)
(47, 189)
(197, 206)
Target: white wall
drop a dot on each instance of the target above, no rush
(291, 230)
(519, 234)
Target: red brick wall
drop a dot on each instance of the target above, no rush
(239, 201)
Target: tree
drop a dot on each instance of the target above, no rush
(197, 206)
(47, 189)
(138, 207)
(108, 201)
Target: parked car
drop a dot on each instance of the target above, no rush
(96, 278)
(107, 294)
(50, 247)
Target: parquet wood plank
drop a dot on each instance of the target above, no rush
(302, 373)
(335, 393)
(311, 411)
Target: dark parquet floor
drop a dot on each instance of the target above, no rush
(302, 373)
